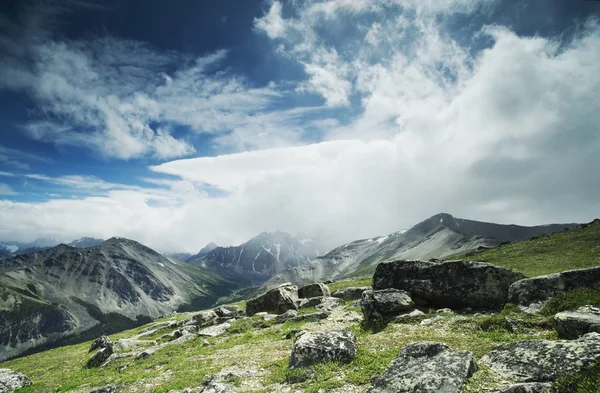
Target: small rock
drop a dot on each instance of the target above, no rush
(106, 389)
(535, 387)
(444, 311)
(12, 380)
(572, 324)
(426, 367)
(311, 302)
(314, 316)
(409, 315)
(100, 357)
(100, 342)
(544, 360)
(205, 343)
(214, 387)
(289, 314)
(329, 304)
(380, 306)
(315, 347)
(206, 318)
(429, 321)
(314, 290)
(277, 301)
(214, 331)
(350, 293)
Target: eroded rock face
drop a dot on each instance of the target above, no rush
(453, 284)
(314, 290)
(350, 293)
(572, 324)
(100, 356)
(380, 306)
(205, 318)
(534, 387)
(426, 367)
(100, 342)
(12, 380)
(537, 290)
(277, 301)
(544, 360)
(310, 302)
(316, 347)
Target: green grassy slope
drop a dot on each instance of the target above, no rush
(576, 248)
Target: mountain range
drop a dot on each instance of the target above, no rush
(438, 237)
(16, 248)
(50, 296)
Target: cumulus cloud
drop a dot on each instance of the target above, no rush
(505, 133)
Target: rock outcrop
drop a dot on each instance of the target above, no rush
(350, 293)
(453, 284)
(534, 387)
(544, 360)
(316, 347)
(12, 380)
(537, 290)
(100, 356)
(329, 304)
(314, 290)
(572, 324)
(380, 306)
(100, 342)
(310, 302)
(426, 367)
(277, 301)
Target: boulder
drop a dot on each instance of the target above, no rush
(534, 387)
(330, 303)
(100, 356)
(310, 302)
(452, 284)
(289, 314)
(12, 380)
(277, 301)
(314, 290)
(106, 389)
(316, 347)
(100, 342)
(537, 290)
(350, 293)
(380, 306)
(572, 324)
(205, 318)
(228, 312)
(216, 330)
(214, 387)
(426, 367)
(544, 360)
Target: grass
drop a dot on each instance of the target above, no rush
(359, 282)
(584, 382)
(576, 248)
(571, 301)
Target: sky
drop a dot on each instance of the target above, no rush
(180, 123)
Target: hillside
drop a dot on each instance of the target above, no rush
(65, 294)
(575, 248)
(439, 237)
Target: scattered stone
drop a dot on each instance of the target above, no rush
(215, 387)
(350, 293)
(329, 304)
(100, 356)
(289, 314)
(380, 306)
(311, 302)
(12, 380)
(106, 389)
(533, 292)
(277, 301)
(316, 347)
(205, 318)
(313, 316)
(409, 315)
(100, 342)
(314, 290)
(126, 343)
(216, 330)
(572, 324)
(205, 342)
(229, 311)
(453, 284)
(444, 311)
(535, 387)
(426, 367)
(544, 360)
(429, 321)
(269, 317)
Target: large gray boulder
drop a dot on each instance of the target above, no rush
(100, 356)
(572, 324)
(426, 367)
(316, 347)
(311, 302)
(533, 387)
(350, 293)
(544, 360)
(537, 290)
(276, 301)
(205, 318)
(12, 380)
(329, 304)
(382, 305)
(314, 290)
(453, 284)
(100, 342)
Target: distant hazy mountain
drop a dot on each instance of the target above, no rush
(85, 242)
(262, 256)
(15, 248)
(205, 250)
(181, 256)
(440, 236)
(66, 291)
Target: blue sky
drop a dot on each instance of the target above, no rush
(179, 123)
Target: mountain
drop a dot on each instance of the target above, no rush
(440, 236)
(261, 257)
(182, 256)
(85, 242)
(205, 250)
(66, 293)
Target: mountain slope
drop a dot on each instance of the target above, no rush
(440, 236)
(205, 250)
(261, 257)
(66, 291)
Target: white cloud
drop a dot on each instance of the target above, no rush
(5, 189)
